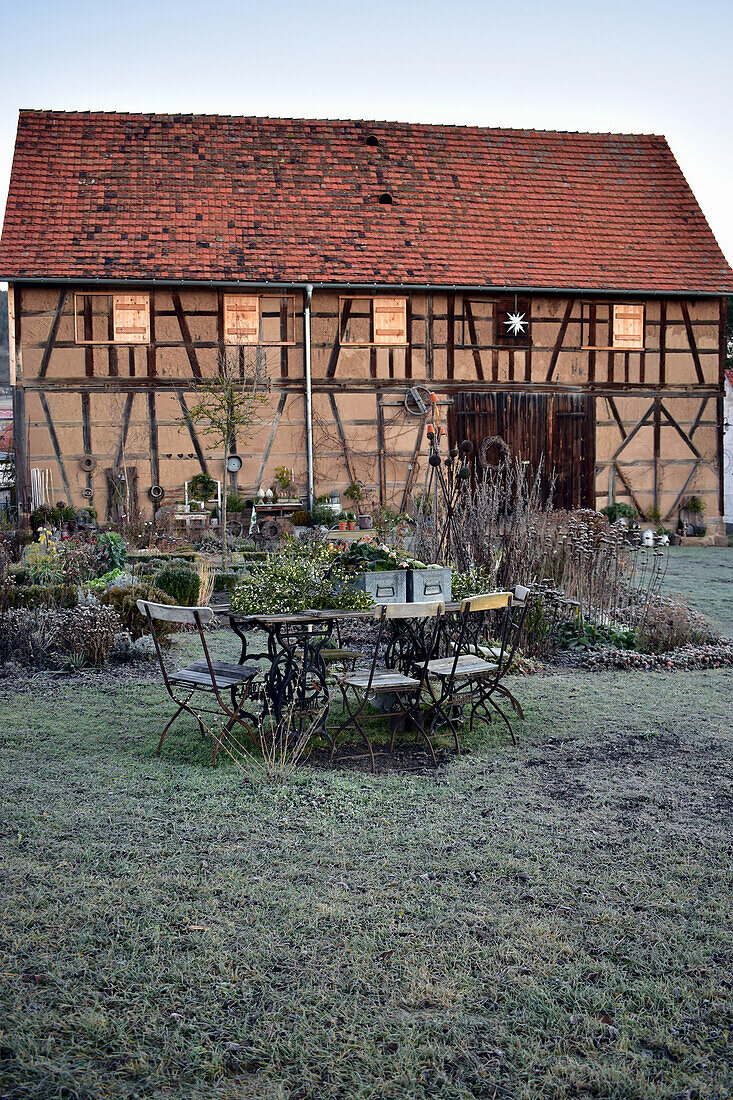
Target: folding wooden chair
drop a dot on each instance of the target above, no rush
(472, 675)
(216, 678)
(356, 687)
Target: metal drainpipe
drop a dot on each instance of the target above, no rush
(308, 395)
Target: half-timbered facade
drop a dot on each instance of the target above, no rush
(562, 291)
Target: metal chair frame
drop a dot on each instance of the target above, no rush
(407, 689)
(211, 677)
(476, 688)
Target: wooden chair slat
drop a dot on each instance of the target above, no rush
(387, 681)
(245, 671)
(426, 609)
(203, 679)
(489, 601)
(172, 614)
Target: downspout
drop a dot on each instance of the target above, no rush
(308, 395)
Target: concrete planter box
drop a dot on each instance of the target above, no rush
(389, 586)
(424, 585)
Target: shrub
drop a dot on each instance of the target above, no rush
(43, 595)
(126, 649)
(365, 557)
(668, 623)
(180, 583)
(19, 573)
(695, 505)
(225, 582)
(295, 581)
(87, 634)
(124, 602)
(301, 519)
(471, 582)
(235, 503)
(29, 636)
(585, 636)
(80, 558)
(323, 515)
(107, 579)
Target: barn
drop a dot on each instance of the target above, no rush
(561, 290)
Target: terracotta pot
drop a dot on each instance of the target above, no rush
(342, 526)
(352, 525)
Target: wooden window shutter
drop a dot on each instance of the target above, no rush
(390, 320)
(241, 319)
(131, 318)
(628, 326)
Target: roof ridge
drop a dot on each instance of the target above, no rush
(460, 126)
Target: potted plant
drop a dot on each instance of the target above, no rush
(342, 521)
(301, 520)
(376, 570)
(625, 513)
(284, 478)
(355, 493)
(695, 507)
(350, 521)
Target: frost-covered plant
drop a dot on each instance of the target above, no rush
(126, 649)
(297, 581)
(88, 633)
(30, 636)
(472, 582)
(86, 598)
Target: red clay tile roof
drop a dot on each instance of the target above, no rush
(204, 197)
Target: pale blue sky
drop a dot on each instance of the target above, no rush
(655, 67)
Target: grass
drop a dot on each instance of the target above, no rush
(547, 921)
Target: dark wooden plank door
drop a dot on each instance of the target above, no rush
(558, 429)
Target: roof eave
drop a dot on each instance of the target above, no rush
(319, 284)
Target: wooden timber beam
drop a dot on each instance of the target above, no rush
(699, 416)
(124, 430)
(336, 347)
(560, 339)
(451, 338)
(55, 444)
(86, 435)
(186, 334)
(615, 413)
(153, 435)
(692, 342)
(628, 488)
(342, 437)
(681, 495)
(637, 428)
(78, 383)
(192, 432)
(380, 451)
(271, 436)
(678, 429)
(472, 337)
(52, 335)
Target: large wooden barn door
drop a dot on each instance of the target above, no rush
(558, 428)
